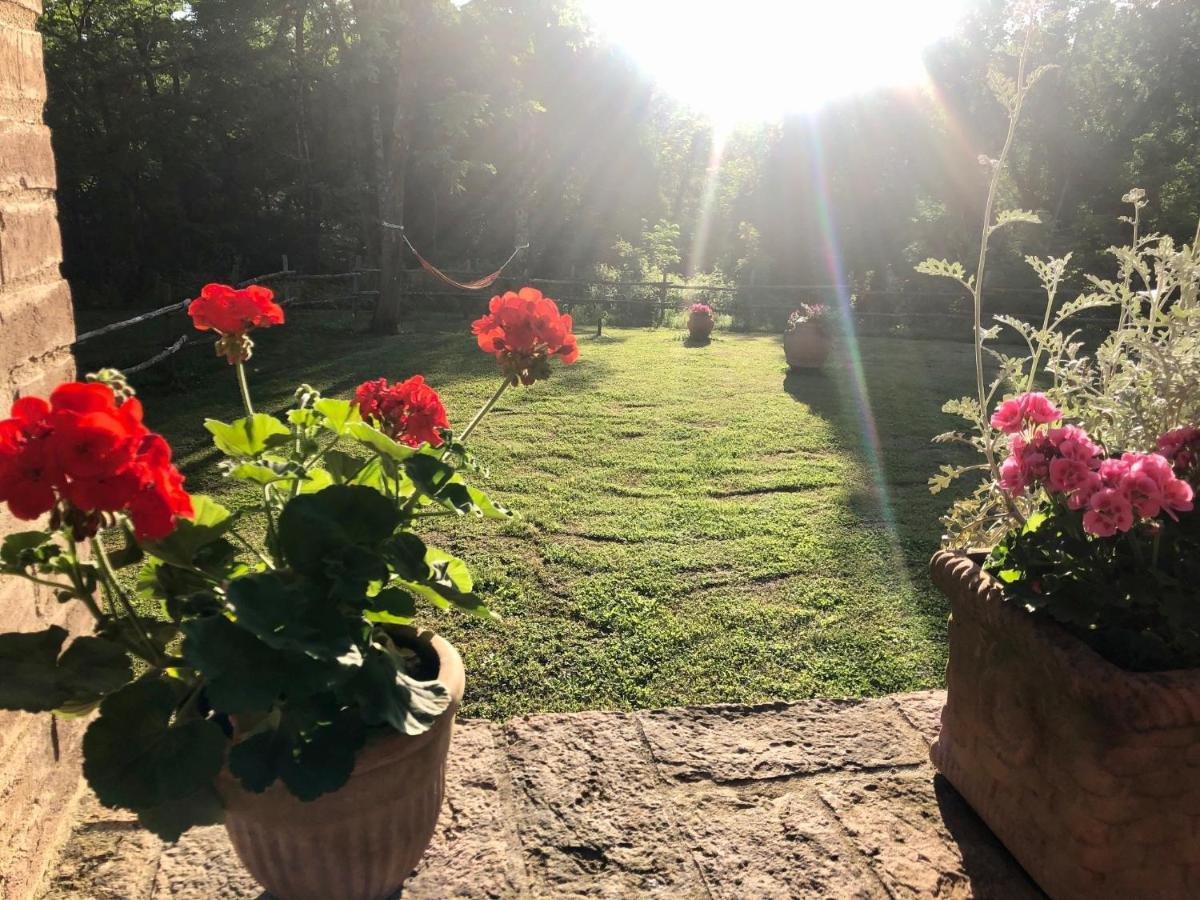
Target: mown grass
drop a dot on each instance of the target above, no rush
(698, 525)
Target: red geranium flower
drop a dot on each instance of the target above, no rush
(84, 451)
(410, 411)
(523, 330)
(233, 312)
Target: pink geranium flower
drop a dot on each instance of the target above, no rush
(1067, 475)
(1038, 409)
(1008, 417)
(1108, 511)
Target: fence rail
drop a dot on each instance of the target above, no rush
(650, 299)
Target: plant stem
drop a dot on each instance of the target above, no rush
(484, 410)
(993, 188)
(245, 543)
(245, 388)
(81, 590)
(114, 586)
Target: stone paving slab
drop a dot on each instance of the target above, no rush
(822, 798)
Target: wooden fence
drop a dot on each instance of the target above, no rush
(932, 313)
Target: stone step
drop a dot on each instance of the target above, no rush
(821, 798)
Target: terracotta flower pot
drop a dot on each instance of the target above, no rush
(700, 326)
(806, 346)
(361, 841)
(1089, 774)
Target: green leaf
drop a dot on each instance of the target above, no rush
(290, 616)
(338, 414)
(248, 437)
(391, 606)
(324, 758)
(256, 760)
(24, 549)
(93, 667)
(317, 528)
(942, 268)
(467, 500)
(134, 758)
(387, 695)
(1013, 216)
(316, 481)
(380, 442)
(243, 674)
(208, 524)
(449, 569)
(260, 473)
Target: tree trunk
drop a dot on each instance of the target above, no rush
(391, 264)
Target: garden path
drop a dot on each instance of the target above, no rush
(821, 798)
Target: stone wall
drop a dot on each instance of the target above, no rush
(39, 760)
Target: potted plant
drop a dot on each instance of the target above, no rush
(1072, 719)
(700, 322)
(806, 340)
(286, 687)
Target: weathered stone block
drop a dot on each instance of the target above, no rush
(741, 743)
(916, 853)
(1078, 766)
(21, 74)
(763, 846)
(592, 816)
(29, 240)
(33, 320)
(26, 158)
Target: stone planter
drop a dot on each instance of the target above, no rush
(1089, 774)
(806, 346)
(700, 326)
(361, 841)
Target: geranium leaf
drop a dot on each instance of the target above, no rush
(243, 674)
(322, 759)
(290, 616)
(209, 522)
(380, 442)
(134, 758)
(248, 437)
(24, 549)
(387, 695)
(315, 528)
(391, 606)
(338, 414)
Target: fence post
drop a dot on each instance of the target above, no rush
(662, 302)
(169, 331)
(600, 310)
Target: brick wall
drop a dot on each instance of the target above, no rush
(39, 763)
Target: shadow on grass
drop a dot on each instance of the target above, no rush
(887, 423)
(697, 341)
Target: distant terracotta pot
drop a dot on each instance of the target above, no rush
(363, 840)
(806, 346)
(700, 326)
(1088, 773)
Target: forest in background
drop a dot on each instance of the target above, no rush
(199, 139)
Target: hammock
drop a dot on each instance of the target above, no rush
(477, 285)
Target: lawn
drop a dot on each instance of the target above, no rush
(698, 526)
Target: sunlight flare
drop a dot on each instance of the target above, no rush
(760, 59)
